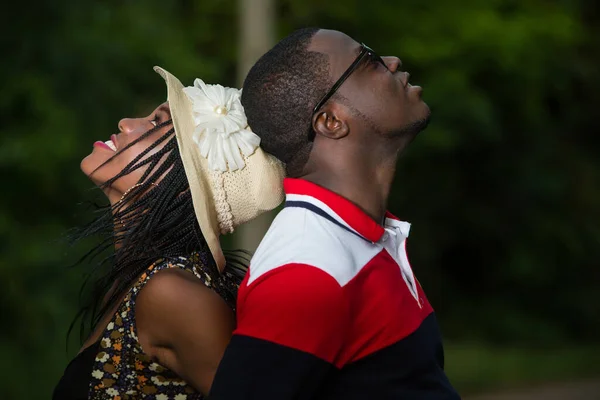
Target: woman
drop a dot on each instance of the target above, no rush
(175, 180)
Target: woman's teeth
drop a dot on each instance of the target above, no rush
(110, 144)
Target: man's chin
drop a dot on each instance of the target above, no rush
(415, 127)
(426, 116)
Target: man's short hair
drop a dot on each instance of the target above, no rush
(279, 94)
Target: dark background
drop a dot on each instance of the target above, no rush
(502, 189)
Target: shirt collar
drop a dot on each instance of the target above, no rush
(340, 208)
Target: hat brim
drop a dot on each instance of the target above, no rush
(196, 168)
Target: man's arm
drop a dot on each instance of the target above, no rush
(291, 327)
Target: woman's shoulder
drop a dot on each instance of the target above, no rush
(172, 284)
(183, 323)
(185, 267)
(173, 287)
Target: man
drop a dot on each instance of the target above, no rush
(330, 308)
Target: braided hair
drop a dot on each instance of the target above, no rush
(154, 220)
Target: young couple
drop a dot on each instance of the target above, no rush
(329, 307)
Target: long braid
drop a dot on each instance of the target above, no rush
(155, 220)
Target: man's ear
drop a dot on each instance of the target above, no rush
(331, 122)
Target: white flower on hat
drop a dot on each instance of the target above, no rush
(222, 132)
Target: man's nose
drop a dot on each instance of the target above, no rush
(392, 63)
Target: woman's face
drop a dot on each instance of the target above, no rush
(96, 165)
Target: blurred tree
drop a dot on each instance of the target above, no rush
(257, 36)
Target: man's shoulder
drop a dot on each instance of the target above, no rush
(300, 237)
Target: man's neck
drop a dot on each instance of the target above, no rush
(365, 181)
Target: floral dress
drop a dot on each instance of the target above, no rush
(121, 369)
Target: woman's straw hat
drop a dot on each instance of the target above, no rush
(232, 180)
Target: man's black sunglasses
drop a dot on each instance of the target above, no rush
(365, 52)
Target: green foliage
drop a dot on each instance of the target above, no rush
(473, 367)
(502, 189)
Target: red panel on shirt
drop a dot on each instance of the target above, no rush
(298, 306)
(302, 307)
(383, 309)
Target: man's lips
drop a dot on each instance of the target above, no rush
(407, 86)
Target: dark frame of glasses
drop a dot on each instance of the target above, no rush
(365, 51)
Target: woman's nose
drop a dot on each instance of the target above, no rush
(127, 125)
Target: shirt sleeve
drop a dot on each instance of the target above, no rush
(291, 327)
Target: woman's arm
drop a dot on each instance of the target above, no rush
(185, 325)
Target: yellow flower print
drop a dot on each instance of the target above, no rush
(102, 357)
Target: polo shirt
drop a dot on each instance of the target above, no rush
(331, 309)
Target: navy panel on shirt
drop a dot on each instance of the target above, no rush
(409, 369)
